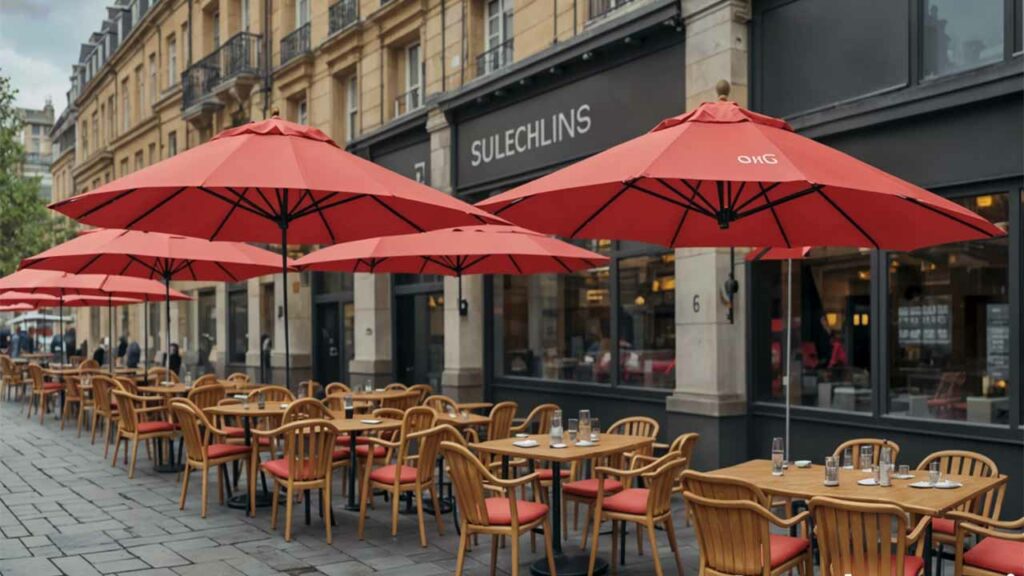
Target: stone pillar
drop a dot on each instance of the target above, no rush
(254, 318)
(300, 332)
(710, 393)
(372, 359)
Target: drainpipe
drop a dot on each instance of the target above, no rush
(444, 61)
(462, 67)
(267, 54)
(188, 62)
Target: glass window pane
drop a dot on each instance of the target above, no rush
(332, 282)
(960, 35)
(949, 326)
(238, 325)
(647, 328)
(831, 345)
(554, 327)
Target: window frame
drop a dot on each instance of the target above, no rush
(172, 60)
(413, 67)
(351, 107)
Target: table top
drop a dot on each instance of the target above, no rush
(460, 421)
(251, 409)
(608, 444)
(376, 395)
(807, 483)
(357, 425)
(172, 390)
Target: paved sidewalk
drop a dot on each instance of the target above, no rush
(64, 510)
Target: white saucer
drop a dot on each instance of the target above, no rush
(867, 482)
(921, 484)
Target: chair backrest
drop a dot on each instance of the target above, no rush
(500, 425)
(306, 409)
(539, 419)
(859, 538)
(732, 535)
(102, 386)
(876, 450)
(74, 386)
(308, 446)
(404, 401)
(964, 463)
(429, 442)
(441, 404)
(240, 377)
(660, 483)
(89, 364)
(207, 396)
(468, 475)
(128, 385)
(684, 445)
(127, 415)
(424, 391)
(193, 424)
(158, 374)
(722, 487)
(636, 426)
(272, 394)
(206, 380)
(35, 372)
(395, 386)
(335, 388)
(308, 388)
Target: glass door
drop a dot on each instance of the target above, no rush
(419, 330)
(328, 343)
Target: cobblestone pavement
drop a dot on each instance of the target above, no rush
(65, 510)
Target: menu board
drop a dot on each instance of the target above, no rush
(997, 341)
(926, 323)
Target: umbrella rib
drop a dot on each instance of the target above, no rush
(672, 201)
(307, 211)
(510, 204)
(712, 209)
(772, 203)
(443, 264)
(292, 210)
(778, 221)
(764, 192)
(184, 264)
(563, 264)
(223, 269)
(847, 217)
(323, 219)
(917, 202)
(397, 213)
(91, 261)
(690, 204)
(270, 215)
(143, 263)
(739, 192)
(102, 205)
(423, 265)
(603, 207)
(514, 263)
(679, 227)
(253, 207)
(467, 265)
(313, 205)
(158, 205)
(226, 217)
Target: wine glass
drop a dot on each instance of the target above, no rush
(778, 455)
(573, 429)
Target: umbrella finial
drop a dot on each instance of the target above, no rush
(275, 112)
(723, 88)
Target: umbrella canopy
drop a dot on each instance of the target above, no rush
(485, 249)
(62, 283)
(16, 307)
(777, 253)
(261, 180)
(156, 255)
(722, 175)
(248, 181)
(86, 301)
(33, 300)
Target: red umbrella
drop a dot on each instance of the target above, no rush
(777, 253)
(484, 249)
(108, 301)
(16, 307)
(13, 297)
(261, 181)
(722, 175)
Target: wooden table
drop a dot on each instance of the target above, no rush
(375, 395)
(160, 390)
(806, 483)
(463, 421)
(354, 427)
(474, 406)
(566, 565)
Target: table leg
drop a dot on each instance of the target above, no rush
(565, 564)
(928, 556)
(262, 497)
(171, 465)
(446, 502)
(351, 505)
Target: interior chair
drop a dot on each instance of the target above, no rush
(206, 396)
(866, 538)
(158, 374)
(408, 399)
(206, 380)
(336, 388)
(73, 400)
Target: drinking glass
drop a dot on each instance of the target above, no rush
(595, 429)
(573, 428)
(875, 473)
(346, 401)
(867, 454)
(934, 476)
(778, 454)
(904, 470)
(831, 471)
(556, 427)
(368, 387)
(584, 428)
(848, 459)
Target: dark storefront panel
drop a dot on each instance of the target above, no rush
(828, 51)
(333, 326)
(409, 157)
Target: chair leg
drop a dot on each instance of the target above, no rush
(586, 527)
(273, 507)
(64, 413)
(117, 448)
(437, 510)
(639, 540)
(395, 497)
(135, 454)
(184, 486)
(548, 547)
(93, 425)
(106, 437)
(42, 411)
(654, 548)
(460, 557)
(254, 458)
(363, 497)
(419, 517)
(670, 530)
(615, 546)
(288, 512)
(494, 554)
(220, 484)
(325, 501)
(515, 553)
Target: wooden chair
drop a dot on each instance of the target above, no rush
(499, 515)
(402, 476)
(203, 452)
(73, 399)
(134, 425)
(538, 421)
(103, 408)
(998, 551)
(88, 364)
(395, 386)
(12, 379)
(336, 388)
(410, 399)
(866, 538)
(442, 404)
(207, 395)
(986, 505)
(735, 515)
(271, 394)
(876, 452)
(636, 426)
(646, 506)
(498, 427)
(239, 378)
(42, 391)
(306, 465)
(158, 374)
(206, 380)
(309, 388)
(425, 390)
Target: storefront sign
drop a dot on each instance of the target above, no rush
(411, 161)
(571, 121)
(997, 341)
(927, 324)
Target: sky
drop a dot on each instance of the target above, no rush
(39, 41)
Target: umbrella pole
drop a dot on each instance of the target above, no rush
(63, 344)
(110, 331)
(284, 292)
(788, 348)
(167, 317)
(145, 328)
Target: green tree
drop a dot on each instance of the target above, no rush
(26, 225)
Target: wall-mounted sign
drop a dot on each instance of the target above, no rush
(926, 324)
(997, 341)
(572, 120)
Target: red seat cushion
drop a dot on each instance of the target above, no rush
(52, 386)
(346, 439)
(499, 511)
(588, 488)
(234, 431)
(785, 548)
(341, 454)
(225, 450)
(155, 426)
(629, 501)
(279, 469)
(912, 565)
(545, 474)
(378, 451)
(943, 526)
(998, 555)
(386, 474)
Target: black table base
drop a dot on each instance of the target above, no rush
(172, 465)
(569, 565)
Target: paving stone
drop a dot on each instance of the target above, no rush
(29, 567)
(158, 556)
(75, 566)
(120, 566)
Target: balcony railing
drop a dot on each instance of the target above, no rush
(37, 158)
(241, 54)
(408, 101)
(495, 58)
(295, 44)
(599, 8)
(341, 15)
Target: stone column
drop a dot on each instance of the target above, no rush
(710, 393)
(254, 317)
(299, 328)
(372, 359)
